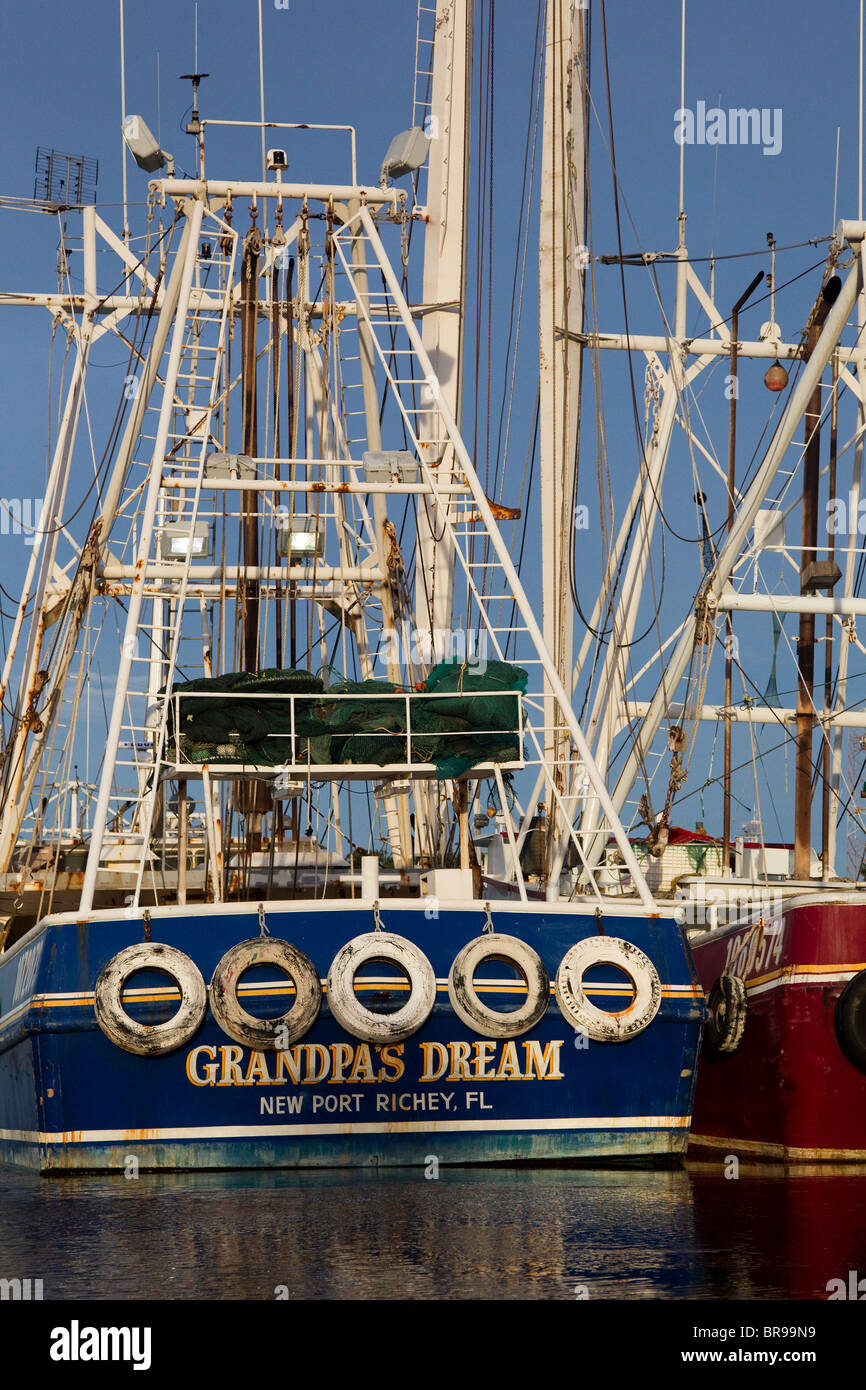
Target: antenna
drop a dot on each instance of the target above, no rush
(836, 178)
(195, 77)
(682, 108)
(65, 180)
(262, 92)
(262, 111)
(194, 126)
(123, 123)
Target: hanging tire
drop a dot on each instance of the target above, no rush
(261, 1034)
(145, 1039)
(362, 1022)
(586, 1017)
(477, 1015)
(727, 1004)
(850, 1021)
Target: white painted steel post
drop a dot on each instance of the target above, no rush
(561, 322)
(442, 329)
(850, 564)
(444, 280)
(370, 878)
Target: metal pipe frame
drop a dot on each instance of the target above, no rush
(204, 190)
(713, 591)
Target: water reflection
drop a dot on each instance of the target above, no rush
(513, 1234)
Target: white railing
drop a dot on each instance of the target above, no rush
(312, 699)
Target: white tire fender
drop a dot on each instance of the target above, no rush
(347, 1008)
(261, 1034)
(597, 1023)
(464, 996)
(150, 1040)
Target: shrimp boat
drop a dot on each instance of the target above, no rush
(333, 892)
(778, 934)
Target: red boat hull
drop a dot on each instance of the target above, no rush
(788, 1091)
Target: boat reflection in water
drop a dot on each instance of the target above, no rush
(520, 1234)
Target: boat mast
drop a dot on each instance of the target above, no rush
(249, 590)
(561, 315)
(851, 559)
(806, 641)
(447, 120)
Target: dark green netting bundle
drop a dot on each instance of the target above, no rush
(475, 720)
(240, 731)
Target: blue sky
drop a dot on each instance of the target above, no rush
(336, 61)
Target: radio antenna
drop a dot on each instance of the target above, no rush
(122, 119)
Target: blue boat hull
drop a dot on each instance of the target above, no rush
(70, 1099)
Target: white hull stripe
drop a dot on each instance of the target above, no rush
(201, 1135)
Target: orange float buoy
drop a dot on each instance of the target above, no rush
(776, 378)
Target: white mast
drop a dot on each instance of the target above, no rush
(447, 121)
(448, 124)
(561, 311)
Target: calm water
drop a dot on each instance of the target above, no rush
(518, 1234)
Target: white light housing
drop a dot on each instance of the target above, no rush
(179, 539)
(302, 538)
(286, 786)
(406, 153)
(382, 466)
(220, 465)
(143, 146)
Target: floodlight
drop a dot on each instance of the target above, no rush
(144, 147)
(175, 538)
